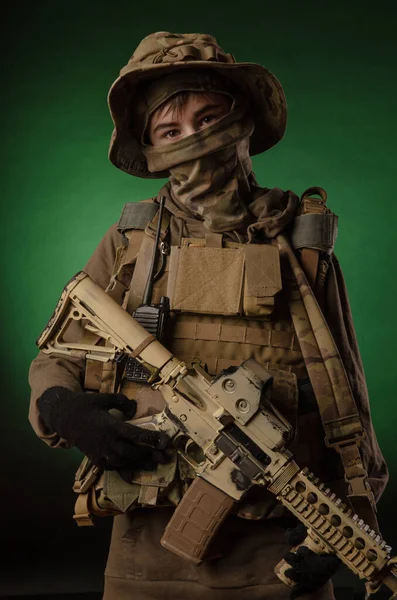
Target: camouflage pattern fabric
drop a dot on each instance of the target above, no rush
(232, 127)
(341, 421)
(209, 171)
(326, 370)
(269, 211)
(162, 89)
(164, 53)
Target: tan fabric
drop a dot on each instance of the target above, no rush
(209, 170)
(240, 565)
(269, 212)
(208, 280)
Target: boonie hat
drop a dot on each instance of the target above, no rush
(163, 52)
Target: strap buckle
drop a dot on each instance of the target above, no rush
(86, 475)
(344, 432)
(343, 442)
(313, 205)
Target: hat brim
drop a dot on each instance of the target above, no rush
(266, 95)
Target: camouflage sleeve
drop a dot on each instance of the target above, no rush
(49, 370)
(339, 316)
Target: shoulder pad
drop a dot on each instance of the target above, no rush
(136, 215)
(316, 231)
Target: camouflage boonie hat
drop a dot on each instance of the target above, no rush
(163, 52)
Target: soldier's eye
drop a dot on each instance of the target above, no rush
(171, 133)
(208, 119)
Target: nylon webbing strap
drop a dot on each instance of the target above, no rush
(143, 261)
(338, 410)
(126, 279)
(82, 514)
(86, 509)
(220, 332)
(151, 227)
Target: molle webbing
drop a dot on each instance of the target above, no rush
(221, 342)
(243, 334)
(338, 410)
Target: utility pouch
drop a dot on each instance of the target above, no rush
(262, 279)
(206, 280)
(147, 488)
(235, 280)
(104, 493)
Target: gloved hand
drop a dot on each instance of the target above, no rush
(310, 570)
(110, 443)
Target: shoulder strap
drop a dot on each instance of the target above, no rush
(339, 415)
(143, 260)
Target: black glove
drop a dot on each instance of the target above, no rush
(309, 570)
(110, 443)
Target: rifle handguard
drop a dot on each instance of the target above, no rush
(312, 542)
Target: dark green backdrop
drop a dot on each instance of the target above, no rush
(336, 61)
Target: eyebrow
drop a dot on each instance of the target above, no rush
(165, 125)
(198, 113)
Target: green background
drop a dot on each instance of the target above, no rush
(60, 193)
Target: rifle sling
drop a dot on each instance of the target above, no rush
(337, 407)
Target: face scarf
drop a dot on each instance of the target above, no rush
(209, 169)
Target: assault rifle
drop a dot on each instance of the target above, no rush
(241, 437)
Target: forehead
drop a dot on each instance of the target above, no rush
(189, 102)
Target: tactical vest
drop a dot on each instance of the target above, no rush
(229, 302)
(204, 320)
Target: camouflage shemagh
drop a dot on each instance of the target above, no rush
(209, 169)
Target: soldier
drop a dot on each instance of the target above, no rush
(186, 110)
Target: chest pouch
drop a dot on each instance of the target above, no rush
(101, 494)
(262, 279)
(147, 488)
(231, 280)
